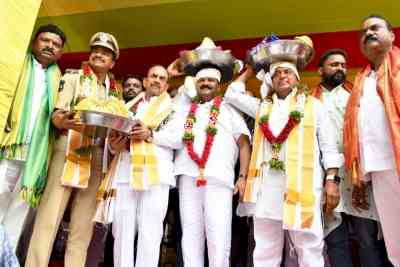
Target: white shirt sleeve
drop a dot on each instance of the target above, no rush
(171, 134)
(331, 158)
(237, 97)
(239, 126)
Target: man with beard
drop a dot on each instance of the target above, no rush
(132, 86)
(372, 132)
(76, 168)
(334, 92)
(24, 142)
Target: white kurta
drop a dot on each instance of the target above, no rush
(224, 152)
(164, 157)
(273, 185)
(206, 212)
(378, 164)
(268, 209)
(335, 102)
(13, 210)
(141, 212)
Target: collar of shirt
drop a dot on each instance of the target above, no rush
(37, 64)
(206, 105)
(372, 74)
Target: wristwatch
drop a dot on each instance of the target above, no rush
(242, 176)
(331, 177)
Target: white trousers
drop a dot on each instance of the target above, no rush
(269, 237)
(206, 213)
(13, 210)
(141, 212)
(386, 188)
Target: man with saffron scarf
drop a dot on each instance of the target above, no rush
(76, 168)
(284, 186)
(334, 92)
(372, 131)
(26, 140)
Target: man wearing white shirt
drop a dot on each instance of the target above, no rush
(140, 206)
(28, 125)
(371, 129)
(334, 92)
(206, 187)
(284, 184)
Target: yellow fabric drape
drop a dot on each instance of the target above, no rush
(143, 154)
(17, 20)
(299, 166)
(300, 170)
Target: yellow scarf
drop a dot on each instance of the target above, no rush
(143, 156)
(299, 166)
(76, 172)
(106, 195)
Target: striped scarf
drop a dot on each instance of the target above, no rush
(76, 172)
(14, 143)
(143, 159)
(299, 164)
(143, 155)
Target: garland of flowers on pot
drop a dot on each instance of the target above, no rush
(277, 141)
(211, 130)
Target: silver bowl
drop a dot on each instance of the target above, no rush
(98, 123)
(194, 60)
(280, 50)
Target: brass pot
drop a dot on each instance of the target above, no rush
(294, 51)
(194, 60)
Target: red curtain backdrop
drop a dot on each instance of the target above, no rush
(138, 60)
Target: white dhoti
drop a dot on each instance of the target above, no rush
(141, 212)
(13, 209)
(269, 245)
(206, 214)
(386, 188)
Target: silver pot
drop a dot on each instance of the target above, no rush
(98, 123)
(194, 60)
(280, 50)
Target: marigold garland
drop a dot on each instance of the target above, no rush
(277, 141)
(113, 91)
(211, 130)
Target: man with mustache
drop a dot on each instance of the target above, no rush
(209, 136)
(372, 131)
(286, 174)
(142, 174)
(24, 142)
(334, 92)
(76, 168)
(132, 86)
(205, 192)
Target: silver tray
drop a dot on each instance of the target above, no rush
(280, 50)
(192, 61)
(99, 123)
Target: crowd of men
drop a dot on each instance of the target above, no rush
(319, 164)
